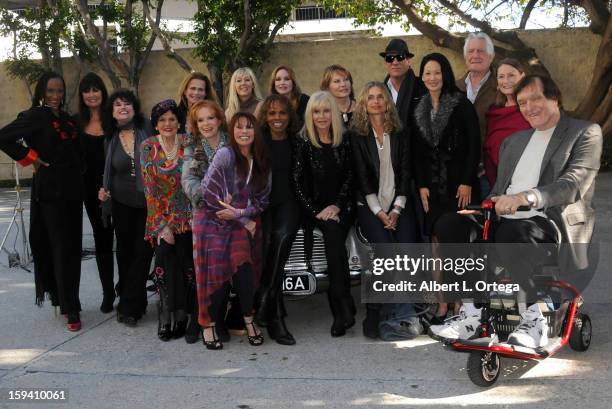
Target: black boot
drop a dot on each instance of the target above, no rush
(263, 314)
(108, 299)
(371, 321)
(192, 332)
(338, 327)
(278, 331)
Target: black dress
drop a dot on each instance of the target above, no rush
(56, 209)
(92, 151)
(446, 152)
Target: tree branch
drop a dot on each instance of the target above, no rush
(508, 37)
(600, 82)
(438, 35)
(81, 6)
(598, 13)
(162, 37)
(527, 13)
(248, 27)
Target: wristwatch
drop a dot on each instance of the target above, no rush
(531, 197)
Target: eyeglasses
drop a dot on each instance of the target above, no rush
(399, 57)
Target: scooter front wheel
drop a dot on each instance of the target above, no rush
(582, 331)
(483, 368)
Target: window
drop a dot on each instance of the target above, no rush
(305, 13)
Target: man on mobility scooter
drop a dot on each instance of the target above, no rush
(551, 169)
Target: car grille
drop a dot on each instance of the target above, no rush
(297, 257)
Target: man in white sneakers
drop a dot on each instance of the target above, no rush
(551, 169)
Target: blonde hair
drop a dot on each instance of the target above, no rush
(360, 123)
(233, 100)
(323, 99)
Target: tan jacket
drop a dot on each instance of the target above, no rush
(484, 100)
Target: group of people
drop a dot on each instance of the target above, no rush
(218, 195)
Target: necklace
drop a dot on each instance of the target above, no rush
(171, 154)
(345, 117)
(126, 148)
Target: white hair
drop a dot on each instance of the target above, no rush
(479, 36)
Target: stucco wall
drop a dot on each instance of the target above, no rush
(568, 54)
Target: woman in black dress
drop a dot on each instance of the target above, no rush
(323, 183)
(92, 97)
(446, 146)
(281, 220)
(123, 192)
(56, 209)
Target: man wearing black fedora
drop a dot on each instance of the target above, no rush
(405, 87)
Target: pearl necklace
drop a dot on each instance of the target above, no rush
(171, 154)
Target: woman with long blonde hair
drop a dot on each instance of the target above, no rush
(244, 94)
(323, 181)
(382, 166)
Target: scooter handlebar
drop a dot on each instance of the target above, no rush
(481, 208)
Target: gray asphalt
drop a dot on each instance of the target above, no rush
(107, 365)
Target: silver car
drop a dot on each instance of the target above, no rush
(302, 280)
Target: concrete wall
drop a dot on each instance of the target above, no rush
(568, 54)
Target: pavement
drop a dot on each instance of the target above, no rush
(107, 365)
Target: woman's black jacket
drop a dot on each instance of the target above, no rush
(309, 173)
(367, 164)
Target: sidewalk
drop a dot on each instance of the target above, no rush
(107, 365)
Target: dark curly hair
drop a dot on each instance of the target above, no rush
(108, 121)
(164, 106)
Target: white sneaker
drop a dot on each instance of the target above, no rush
(532, 331)
(462, 326)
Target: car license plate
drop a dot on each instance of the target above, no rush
(299, 283)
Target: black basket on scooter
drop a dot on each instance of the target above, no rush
(506, 320)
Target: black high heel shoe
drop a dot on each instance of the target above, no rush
(213, 344)
(256, 339)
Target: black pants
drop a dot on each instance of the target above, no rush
(56, 230)
(537, 231)
(243, 283)
(375, 231)
(173, 276)
(134, 256)
(334, 236)
(280, 225)
(103, 239)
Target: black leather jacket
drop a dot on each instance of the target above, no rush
(309, 173)
(367, 164)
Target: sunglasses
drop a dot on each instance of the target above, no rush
(399, 57)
